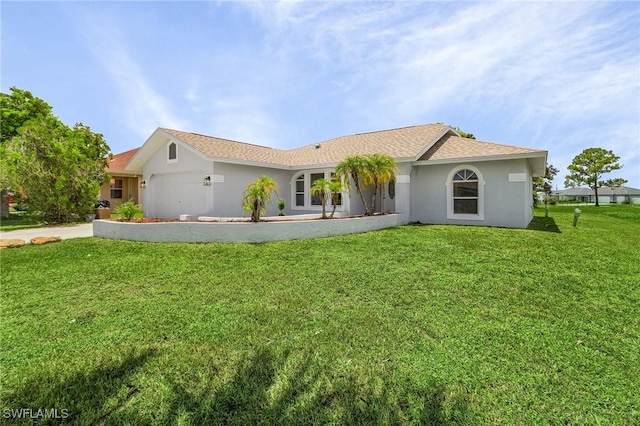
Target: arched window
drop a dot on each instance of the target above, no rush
(172, 152)
(465, 194)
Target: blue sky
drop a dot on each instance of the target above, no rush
(560, 76)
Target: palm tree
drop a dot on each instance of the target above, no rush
(355, 168)
(322, 188)
(382, 169)
(257, 195)
(336, 188)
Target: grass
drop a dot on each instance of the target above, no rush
(416, 324)
(21, 220)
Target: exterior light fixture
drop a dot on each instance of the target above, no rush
(206, 181)
(143, 184)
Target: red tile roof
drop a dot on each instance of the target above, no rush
(117, 163)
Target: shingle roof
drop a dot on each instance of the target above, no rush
(225, 148)
(405, 142)
(117, 163)
(439, 141)
(454, 147)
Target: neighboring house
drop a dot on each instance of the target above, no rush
(442, 178)
(606, 195)
(123, 184)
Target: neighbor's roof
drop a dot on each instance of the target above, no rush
(605, 190)
(424, 142)
(117, 163)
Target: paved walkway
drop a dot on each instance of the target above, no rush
(64, 232)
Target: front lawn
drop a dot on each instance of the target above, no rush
(416, 324)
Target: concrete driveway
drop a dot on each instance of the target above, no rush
(67, 231)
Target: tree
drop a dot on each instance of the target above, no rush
(463, 133)
(355, 168)
(364, 170)
(336, 187)
(460, 131)
(16, 109)
(588, 167)
(257, 195)
(59, 168)
(543, 183)
(381, 169)
(322, 188)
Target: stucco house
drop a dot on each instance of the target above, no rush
(123, 185)
(606, 195)
(442, 178)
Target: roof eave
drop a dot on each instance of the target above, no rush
(542, 155)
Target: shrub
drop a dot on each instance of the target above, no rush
(128, 210)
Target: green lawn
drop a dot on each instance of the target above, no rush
(416, 324)
(20, 220)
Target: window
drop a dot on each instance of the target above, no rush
(115, 186)
(301, 197)
(336, 194)
(315, 198)
(465, 192)
(173, 152)
(300, 191)
(392, 189)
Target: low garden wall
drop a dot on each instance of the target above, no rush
(232, 232)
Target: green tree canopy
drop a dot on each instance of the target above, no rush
(60, 169)
(17, 109)
(588, 167)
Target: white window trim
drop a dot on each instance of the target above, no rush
(307, 192)
(449, 186)
(174, 160)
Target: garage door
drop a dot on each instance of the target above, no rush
(175, 194)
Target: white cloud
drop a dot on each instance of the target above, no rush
(561, 75)
(142, 108)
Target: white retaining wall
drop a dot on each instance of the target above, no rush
(245, 232)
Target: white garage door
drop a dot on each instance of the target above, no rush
(177, 193)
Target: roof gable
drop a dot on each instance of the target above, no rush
(456, 147)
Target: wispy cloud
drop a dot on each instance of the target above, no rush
(140, 106)
(567, 70)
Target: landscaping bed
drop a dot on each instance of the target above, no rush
(230, 230)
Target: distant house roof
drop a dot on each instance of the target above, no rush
(426, 143)
(117, 163)
(604, 191)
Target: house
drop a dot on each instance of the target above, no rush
(606, 195)
(123, 184)
(442, 178)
